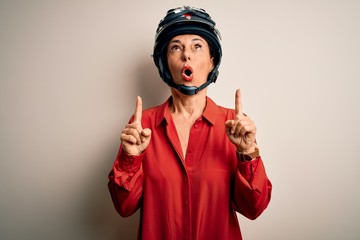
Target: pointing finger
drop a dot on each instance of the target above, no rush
(238, 103)
(138, 110)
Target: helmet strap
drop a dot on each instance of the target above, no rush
(188, 90)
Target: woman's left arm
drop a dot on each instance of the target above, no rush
(252, 188)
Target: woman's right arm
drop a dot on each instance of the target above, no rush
(126, 177)
(125, 183)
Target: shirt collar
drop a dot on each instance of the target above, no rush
(210, 113)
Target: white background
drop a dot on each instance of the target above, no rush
(69, 75)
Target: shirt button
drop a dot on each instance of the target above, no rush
(196, 125)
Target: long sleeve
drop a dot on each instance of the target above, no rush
(252, 191)
(126, 183)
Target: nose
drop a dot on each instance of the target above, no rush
(186, 55)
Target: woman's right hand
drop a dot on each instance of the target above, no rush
(134, 138)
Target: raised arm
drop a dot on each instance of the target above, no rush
(126, 177)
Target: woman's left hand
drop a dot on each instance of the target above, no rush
(242, 130)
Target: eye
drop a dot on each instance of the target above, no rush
(174, 48)
(197, 46)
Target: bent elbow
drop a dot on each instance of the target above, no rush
(125, 212)
(253, 213)
(252, 208)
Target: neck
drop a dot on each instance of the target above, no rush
(188, 107)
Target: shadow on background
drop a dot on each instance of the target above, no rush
(102, 220)
(100, 217)
(151, 87)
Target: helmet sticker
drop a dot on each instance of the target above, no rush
(187, 16)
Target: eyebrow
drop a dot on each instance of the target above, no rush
(193, 40)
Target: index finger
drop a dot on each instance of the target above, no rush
(238, 103)
(138, 110)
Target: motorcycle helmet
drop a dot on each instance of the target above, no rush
(186, 20)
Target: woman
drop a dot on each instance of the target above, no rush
(188, 164)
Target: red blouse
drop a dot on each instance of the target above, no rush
(193, 198)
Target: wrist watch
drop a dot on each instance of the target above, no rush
(248, 157)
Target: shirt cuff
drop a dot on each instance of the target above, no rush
(248, 168)
(127, 169)
(129, 163)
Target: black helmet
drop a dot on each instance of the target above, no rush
(186, 20)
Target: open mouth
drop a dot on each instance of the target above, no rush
(187, 73)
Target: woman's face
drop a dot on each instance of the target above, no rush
(189, 60)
